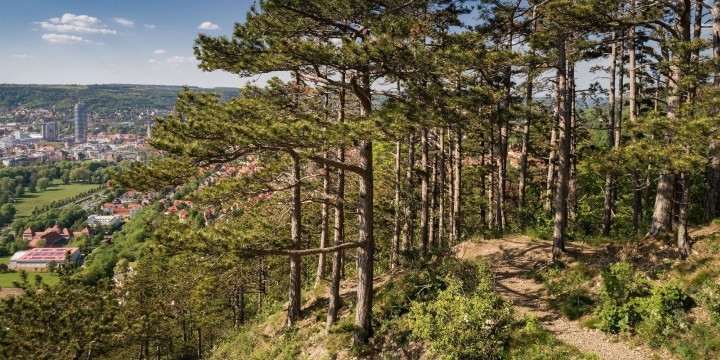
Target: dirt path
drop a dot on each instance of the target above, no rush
(512, 259)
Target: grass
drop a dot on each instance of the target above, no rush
(7, 279)
(5, 260)
(29, 201)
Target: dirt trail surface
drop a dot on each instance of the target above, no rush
(511, 260)
(5, 292)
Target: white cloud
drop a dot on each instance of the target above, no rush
(181, 59)
(150, 26)
(124, 22)
(160, 52)
(77, 24)
(208, 26)
(152, 61)
(22, 56)
(67, 39)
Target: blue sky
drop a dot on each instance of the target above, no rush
(104, 41)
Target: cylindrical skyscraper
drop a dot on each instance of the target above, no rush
(80, 123)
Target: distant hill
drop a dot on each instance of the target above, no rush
(100, 98)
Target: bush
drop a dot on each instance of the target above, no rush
(474, 325)
(631, 304)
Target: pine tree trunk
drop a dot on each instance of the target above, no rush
(501, 172)
(632, 99)
(571, 138)
(662, 212)
(365, 254)
(550, 179)
(525, 148)
(366, 234)
(563, 155)
(609, 179)
(442, 190)
(339, 226)
(394, 256)
(324, 225)
(457, 187)
(296, 235)
(408, 231)
(338, 239)
(424, 187)
(491, 207)
(713, 177)
(683, 239)
(451, 188)
(432, 236)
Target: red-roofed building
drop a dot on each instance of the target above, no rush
(38, 259)
(56, 236)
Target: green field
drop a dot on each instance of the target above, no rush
(5, 260)
(29, 201)
(6, 280)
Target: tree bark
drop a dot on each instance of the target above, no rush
(662, 212)
(713, 178)
(394, 256)
(334, 302)
(424, 187)
(525, 147)
(457, 187)
(442, 190)
(296, 235)
(632, 102)
(408, 231)
(324, 228)
(550, 179)
(563, 154)
(432, 236)
(683, 239)
(572, 139)
(609, 179)
(365, 255)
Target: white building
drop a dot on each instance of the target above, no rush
(103, 220)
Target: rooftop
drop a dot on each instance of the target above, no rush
(45, 254)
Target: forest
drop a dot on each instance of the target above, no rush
(343, 200)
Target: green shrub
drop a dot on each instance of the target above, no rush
(462, 324)
(631, 304)
(618, 308)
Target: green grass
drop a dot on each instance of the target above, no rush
(7, 279)
(29, 201)
(5, 260)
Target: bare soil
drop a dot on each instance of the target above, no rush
(512, 259)
(5, 292)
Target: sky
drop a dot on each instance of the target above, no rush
(112, 41)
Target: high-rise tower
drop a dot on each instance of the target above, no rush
(80, 123)
(50, 131)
